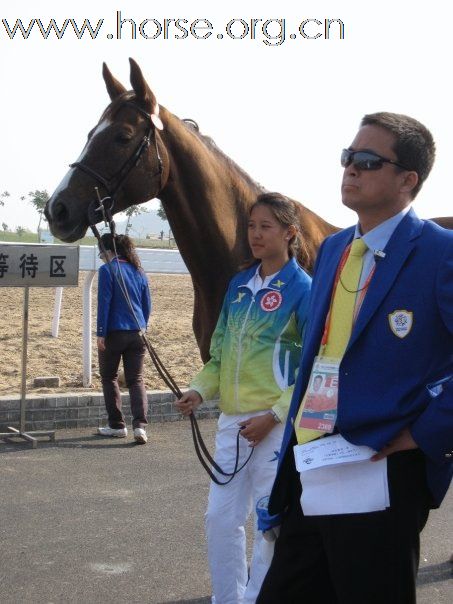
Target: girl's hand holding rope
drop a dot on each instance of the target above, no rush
(189, 401)
(257, 428)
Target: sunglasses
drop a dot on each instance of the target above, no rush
(366, 160)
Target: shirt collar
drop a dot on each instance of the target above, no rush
(256, 282)
(377, 238)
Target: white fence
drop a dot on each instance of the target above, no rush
(153, 261)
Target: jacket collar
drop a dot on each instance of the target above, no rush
(397, 251)
(280, 280)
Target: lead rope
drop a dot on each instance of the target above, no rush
(199, 444)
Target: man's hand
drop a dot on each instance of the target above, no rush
(257, 428)
(402, 442)
(101, 344)
(189, 401)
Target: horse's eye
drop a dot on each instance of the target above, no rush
(123, 138)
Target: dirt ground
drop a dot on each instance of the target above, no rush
(170, 333)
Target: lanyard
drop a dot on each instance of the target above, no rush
(358, 304)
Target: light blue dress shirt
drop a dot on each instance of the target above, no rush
(376, 240)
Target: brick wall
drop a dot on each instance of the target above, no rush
(71, 410)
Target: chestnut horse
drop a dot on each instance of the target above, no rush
(205, 195)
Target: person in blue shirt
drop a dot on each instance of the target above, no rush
(119, 326)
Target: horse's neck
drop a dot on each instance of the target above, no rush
(206, 199)
(206, 202)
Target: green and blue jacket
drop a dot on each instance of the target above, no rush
(256, 346)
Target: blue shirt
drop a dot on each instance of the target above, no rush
(113, 310)
(376, 240)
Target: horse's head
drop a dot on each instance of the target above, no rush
(124, 158)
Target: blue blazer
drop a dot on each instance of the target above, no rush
(386, 382)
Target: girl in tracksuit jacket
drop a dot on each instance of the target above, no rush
(255, 350)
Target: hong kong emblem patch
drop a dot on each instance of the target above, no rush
(271, 301)
(401, 322)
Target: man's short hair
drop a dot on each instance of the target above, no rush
(414, 144)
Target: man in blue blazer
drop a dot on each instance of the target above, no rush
(395, 386)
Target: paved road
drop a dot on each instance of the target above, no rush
(92, 520)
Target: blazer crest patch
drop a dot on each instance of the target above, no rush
(401, 322)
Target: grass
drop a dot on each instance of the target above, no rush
(29, 237)
(15, 238)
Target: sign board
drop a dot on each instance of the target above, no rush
(38, 265)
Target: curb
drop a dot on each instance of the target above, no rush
(73, 410)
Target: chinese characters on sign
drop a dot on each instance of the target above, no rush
(38, 265)
(28, 264)
(57, 266)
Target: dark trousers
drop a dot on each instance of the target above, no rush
(129, 346)
(353, 558)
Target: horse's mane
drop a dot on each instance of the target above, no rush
(212, 146)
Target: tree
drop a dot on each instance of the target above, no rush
(39, 199)
(20, 231)
(161, 212)
(4, 226)
(130, 212)
(4, 194)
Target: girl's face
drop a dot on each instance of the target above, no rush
(267, 238)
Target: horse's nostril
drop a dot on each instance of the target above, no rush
(60, 212)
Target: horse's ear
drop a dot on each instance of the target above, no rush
(141, 88)
(114, 88)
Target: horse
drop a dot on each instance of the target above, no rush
(444, 221)
(138, 151)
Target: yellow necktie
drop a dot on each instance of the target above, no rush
(341, 321)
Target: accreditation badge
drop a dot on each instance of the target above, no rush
(321, 400)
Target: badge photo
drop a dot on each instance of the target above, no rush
(401, 322)
(271, 301)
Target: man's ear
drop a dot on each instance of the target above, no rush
(410, 181)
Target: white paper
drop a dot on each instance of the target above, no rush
(331, 450)
(339, 478)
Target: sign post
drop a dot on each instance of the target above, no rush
(35, 266)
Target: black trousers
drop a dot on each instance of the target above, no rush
(129, 346)
(353, 558)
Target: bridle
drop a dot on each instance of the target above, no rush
(112, 184)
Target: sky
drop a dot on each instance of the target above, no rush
(283, 110)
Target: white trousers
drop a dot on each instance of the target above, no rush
(229, 507)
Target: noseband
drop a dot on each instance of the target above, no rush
(113, 183)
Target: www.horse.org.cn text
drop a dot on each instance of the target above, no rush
(271, 32)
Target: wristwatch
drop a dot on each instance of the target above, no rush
(275, 416)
